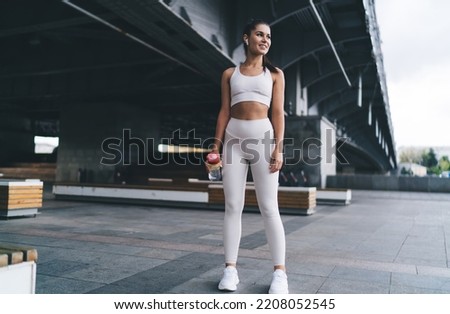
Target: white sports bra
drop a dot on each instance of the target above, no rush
(251, 88)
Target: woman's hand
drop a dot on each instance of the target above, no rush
(213, 156)
(276, 161)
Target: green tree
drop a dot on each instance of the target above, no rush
(411, 154)
(405, 172)
(444, 163)
(429, 159)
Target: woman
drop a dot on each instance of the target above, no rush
(251, 139)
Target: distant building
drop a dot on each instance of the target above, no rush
(409, 168)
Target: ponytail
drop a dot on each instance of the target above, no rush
(267, 64)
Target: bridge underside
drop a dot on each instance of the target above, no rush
(72, 67)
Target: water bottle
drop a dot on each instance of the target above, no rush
(213, 163)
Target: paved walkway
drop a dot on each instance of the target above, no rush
(384, 242)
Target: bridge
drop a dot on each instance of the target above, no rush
(89, 71)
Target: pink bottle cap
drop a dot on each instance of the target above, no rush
(213, 158)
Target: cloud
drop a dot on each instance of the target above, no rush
(420, 106)
(416, 52)
(413, 33)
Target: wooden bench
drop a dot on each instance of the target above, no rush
(296, 200)
(43, 171)
(191, 193)
(20, 198)
(334, 196)
(17, 269)
(157, 193)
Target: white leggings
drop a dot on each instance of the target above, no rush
(250, 143)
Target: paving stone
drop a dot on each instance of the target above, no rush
(419, 281)
(163, 254)
(165, 277)
(304, 284)
(309, 268)
(384, 242)
(60, 268)
(60, 285)
(396, 289)
(97, 273)
(373, 276)
(346, 286)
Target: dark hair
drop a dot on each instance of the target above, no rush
(251, 25)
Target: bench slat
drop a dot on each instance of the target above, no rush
(286, 199)
(20, 201)
(20, 196)
(29, 254)
(21, 192)
(14, 256)
(21, 206)
(3, 260)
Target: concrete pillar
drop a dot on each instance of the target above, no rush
(96, 139)
(310, 151)
(296, 95)
(16, 138)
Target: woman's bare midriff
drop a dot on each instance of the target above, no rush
(249, 110)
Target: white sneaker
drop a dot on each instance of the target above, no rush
(279, 283)
(229, 280)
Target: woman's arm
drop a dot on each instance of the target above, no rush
(277, 119)
(224, 113)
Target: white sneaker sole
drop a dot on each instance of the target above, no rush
(228, 288)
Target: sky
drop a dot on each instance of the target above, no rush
(415, 37)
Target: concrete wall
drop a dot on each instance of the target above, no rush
(85, 127)
(16, 138)
(393, 183)
(210, 19)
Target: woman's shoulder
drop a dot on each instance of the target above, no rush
(278, 73)
(228, 73)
